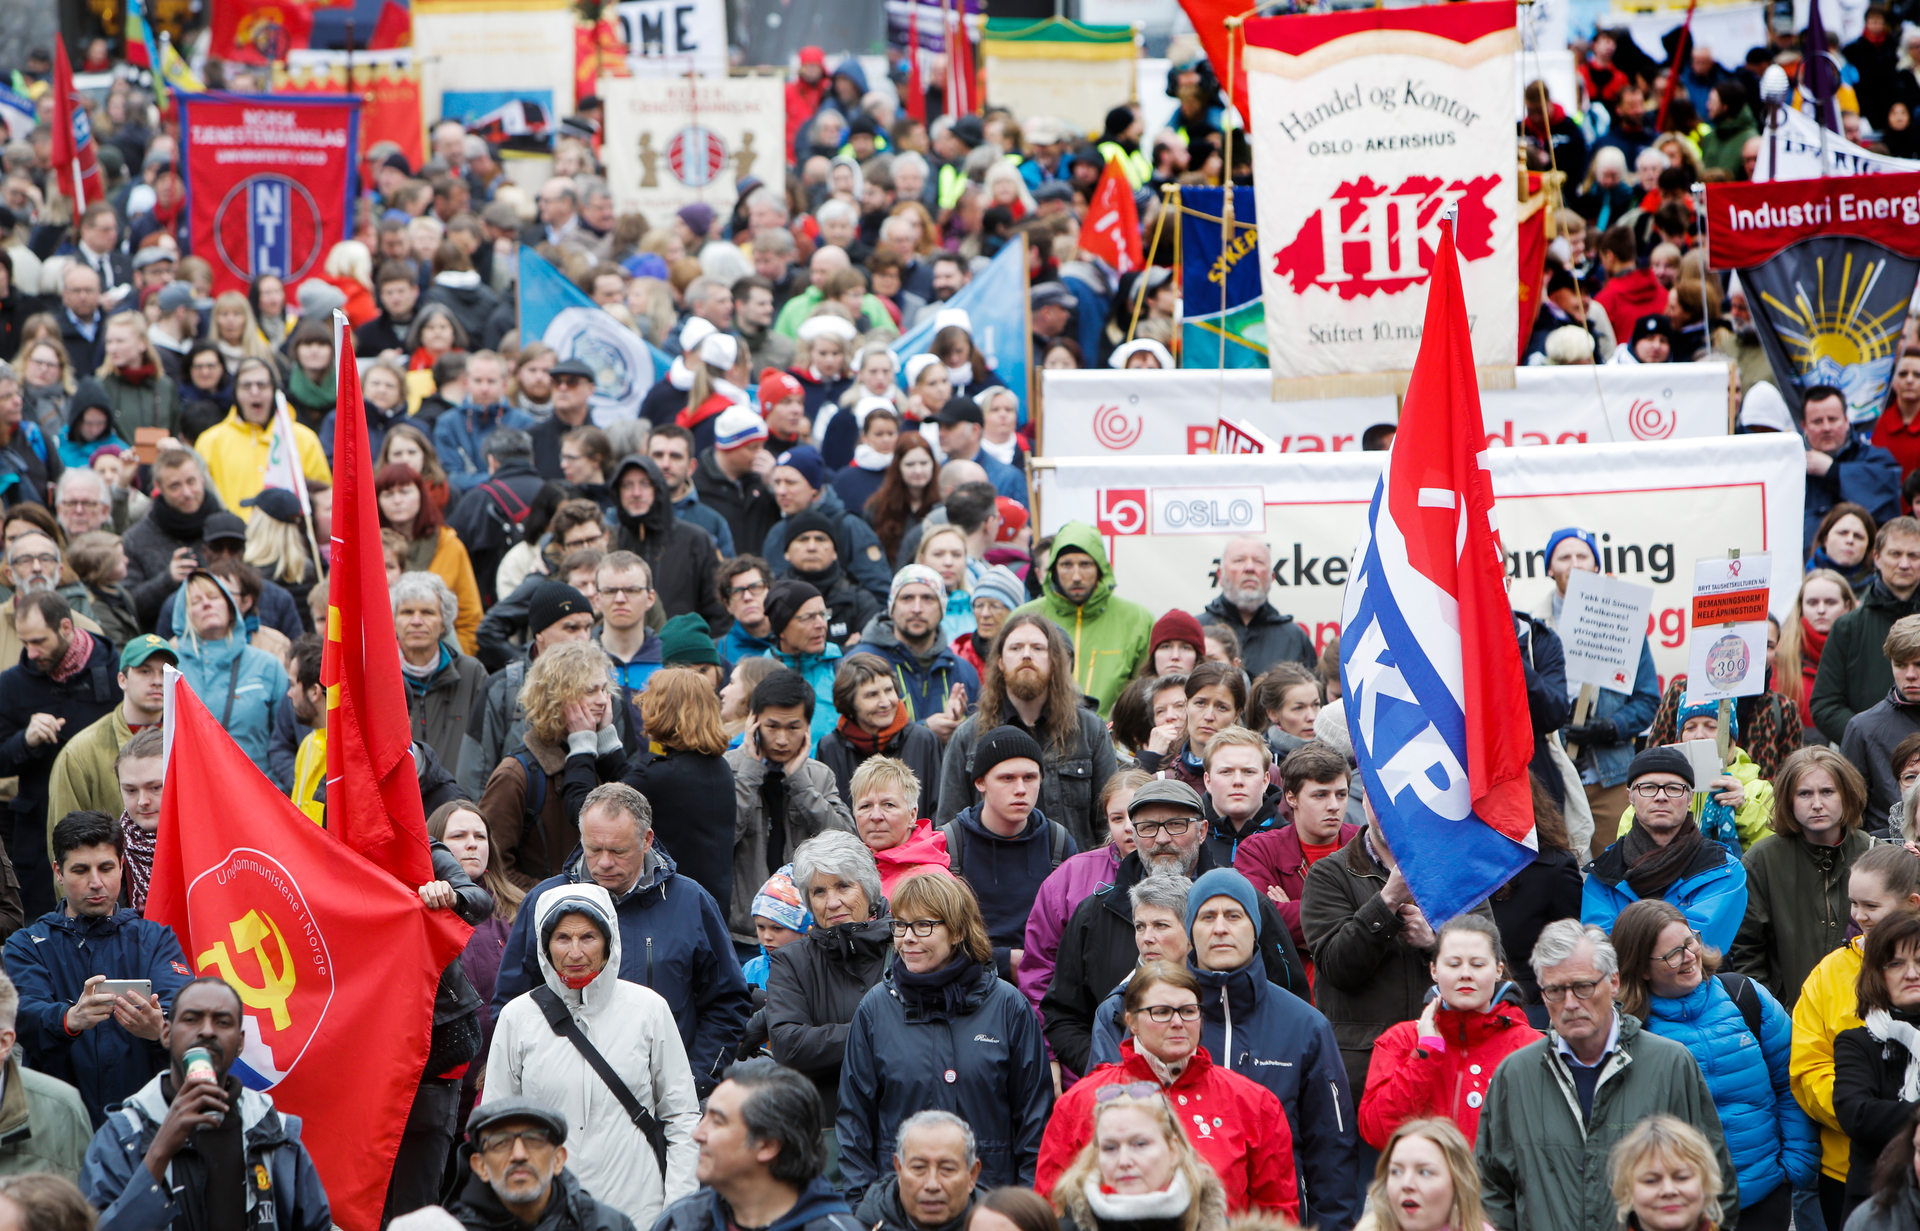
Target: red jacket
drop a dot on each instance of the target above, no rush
(1275, 858)
(1630, 296)
(1407, 1081)
(802, 101)
(1237, 1125)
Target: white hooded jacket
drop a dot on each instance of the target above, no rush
(634, 1029)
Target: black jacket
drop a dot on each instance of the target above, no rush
(693, 806)
(1097, 954)
(819, 1209)
(881, 1209)
(25, 690)
(748, 506)
(1867, 1075)
(681, 554)
(569, 1208)
(381, 334)
(84, 356)
(1267, 639)
(1544, 890)
(848, 606)
(914, 743)
(813, 987)
(483, 520)
(1545, 666)
(546, 445)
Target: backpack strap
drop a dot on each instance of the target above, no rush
(1057, 840)
(1746, 998)
(563, 1025)
(536, 826)
(951, 831)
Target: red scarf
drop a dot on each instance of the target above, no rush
(872, 745)
(1813, 643)
(139, 374)
(421, 361)
(78, 651)
(692, 416)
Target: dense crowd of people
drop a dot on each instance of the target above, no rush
(840, 851)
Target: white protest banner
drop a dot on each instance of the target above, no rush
(672, 142)
(1726, 661)
(1602, 624)
(1377, 121)
(672, 38)
(1791, 149)
(1094, 413)
(1732, 589)
(1652, 507)
(466, 46)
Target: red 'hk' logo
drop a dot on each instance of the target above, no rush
(1371, 239)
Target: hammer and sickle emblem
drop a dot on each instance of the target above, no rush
(250, 932)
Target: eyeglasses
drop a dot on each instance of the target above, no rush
(922, 928)
(1676, 957)
(574, 544)
(753, 591)
(1554, 993)
(1662, 790)
(502, 1142)
(1174, 827)
(811, 617)
(1133, 1089)
(1164, 1013)
(83, 504)
(44, 560)
(625, 592)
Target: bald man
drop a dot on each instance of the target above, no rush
(1266, 636)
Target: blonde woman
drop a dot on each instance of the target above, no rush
(1139, 1173)
(685, 776)
(237, 334)
(651, 302)
(1426, 1181)
(1824, 597)
(47, 383)
(277, 544)
(944, 550)
(1665, 1177)
(568, 693)
(138, 390)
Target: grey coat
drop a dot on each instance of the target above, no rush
(813, 805)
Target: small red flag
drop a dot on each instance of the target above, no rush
(1209, 19)
(916, 89)
(373, 787)
(335, 963)
(395, 27)
(259, 31)
(1112, 231)
(76, 164)
(962, 88)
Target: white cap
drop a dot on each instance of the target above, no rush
(827, 325)
(1128, 350)
(697, 330)
(952, 316)
(719, 351)
(918, 364)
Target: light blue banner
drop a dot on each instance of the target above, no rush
(996, 303)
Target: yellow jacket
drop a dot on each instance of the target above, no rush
(452, 565)
(236, 453)
(309, 771)
(1826, 1007)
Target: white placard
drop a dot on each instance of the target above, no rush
(1602, 624)
(672, 142)
(1720, 581)
(1726, 661)
(671, 38)
(1141, 411)
(468, 48)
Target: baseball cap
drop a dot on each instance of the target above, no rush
(145, 646)
(277, 503)
(224, 526)
(959, 409)
(174, 296)
(152, 256)
(1052, 295)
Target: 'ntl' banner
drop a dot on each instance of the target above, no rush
(1829, 267)
(270, 182)
(1220, 282)
(1378, 121)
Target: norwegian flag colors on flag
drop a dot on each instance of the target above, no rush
(1429, 659)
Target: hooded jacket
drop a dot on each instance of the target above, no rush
(278, 1169)
(1871, 737)
(460, 437)
(1110, 634)
(915, 743)
(1006, 873)
(1409, 1080)
(1235, 1124)
(1712, 892)
(923, 683)
(1854, 673)
(1366, 977)
(1827, 1006)
(1797, 910)
(1070, 884)
(814, 987)
(50, 961)
(818, 671)
(682, 555)
(230, 669)
(1543, 1165)
(570, 1208)
(632, 1027)
(1069, 784)
(818, 1209)
(813, 806)
(987, 1064)
(860, 553)
(1770, 1137)
(1267, 638)
(471, 301)
(849, 608)
(237, 454)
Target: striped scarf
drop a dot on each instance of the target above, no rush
(139, 862)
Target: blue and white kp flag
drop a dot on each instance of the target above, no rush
(16, 110)
(560, 314)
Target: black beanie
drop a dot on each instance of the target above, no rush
(553, 603)
(812, 521)
(1661, 760)
(1004, 744)
(785, 598)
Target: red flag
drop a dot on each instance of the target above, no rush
(1209, 19)
(373, 788)
(1112, 232)
(257, 31)
(74, 154)
(335, 962)
(394, 29)
(916, 90)
(1533, 260)
(962, 88)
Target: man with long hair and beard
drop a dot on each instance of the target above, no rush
(1029, 686)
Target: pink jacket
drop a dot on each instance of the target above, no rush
(1072, 883)
(925, 849)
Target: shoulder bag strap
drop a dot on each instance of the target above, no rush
(233, 683)
(568, 1029)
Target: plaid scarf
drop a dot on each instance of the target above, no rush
(78, 651)
(139, 862)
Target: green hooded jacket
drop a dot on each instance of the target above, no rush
(1109, 633)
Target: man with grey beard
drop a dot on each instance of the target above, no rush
(33, 566)
(1266, 636)
(1097, 950)
(520, 1175)
(1739, 341)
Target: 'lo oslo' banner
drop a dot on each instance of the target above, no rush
(270, 182)
(1220, 282)
(1829, 267)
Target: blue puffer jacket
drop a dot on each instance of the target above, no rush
(818, 671)
(255, 685)
(1712, 892)
(50, 961)
(460, 437)
(1269, 1035)
(1769, 1136)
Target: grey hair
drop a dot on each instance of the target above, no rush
(893, 224)
(620, 797)
(1166, 890)
(630, 436)
(836, 209)
(78, 475)
(420, 585)
(837, 853)
(37, 532)
(10, 1011)
(508, 444)
(911, 158)
(767, 196)
(1562, 938)
(780, 240)
(593, 188)
(7, 374)
(937, 1119)
(702, 288)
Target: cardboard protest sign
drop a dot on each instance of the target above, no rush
(1602, 623)
(1727, 654)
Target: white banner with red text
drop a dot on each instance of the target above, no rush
(1141, 411)
(1655, 507)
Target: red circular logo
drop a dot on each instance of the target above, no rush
(696, 155)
